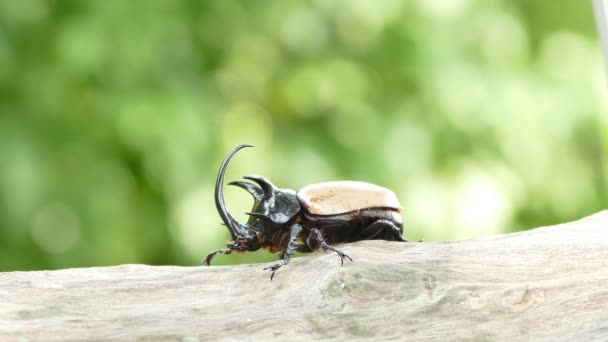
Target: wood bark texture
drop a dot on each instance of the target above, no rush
(546, 284)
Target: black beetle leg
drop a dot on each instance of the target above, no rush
(207, 260)
(396, 232)
(383, 229)
(291, 246)
(316, 233)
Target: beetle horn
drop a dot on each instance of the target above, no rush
(260, 216)
(236, 229)
(268, 188)
(255, 191)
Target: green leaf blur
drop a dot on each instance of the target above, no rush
(484, 117)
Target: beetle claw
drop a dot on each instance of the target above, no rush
(207, 260)
(274, 268)
(341, 254)
(319, 237)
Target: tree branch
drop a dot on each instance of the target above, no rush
(544, 284)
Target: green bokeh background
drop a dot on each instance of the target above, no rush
(483, 116)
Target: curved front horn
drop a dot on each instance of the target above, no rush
(265, 184)
(255, 191)
(236, 229)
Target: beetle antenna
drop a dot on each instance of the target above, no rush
(268, 188)
(254, 190)
(235, 228)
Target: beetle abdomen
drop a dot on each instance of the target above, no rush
(332, 198)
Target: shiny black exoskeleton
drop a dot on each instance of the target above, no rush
(285, 221)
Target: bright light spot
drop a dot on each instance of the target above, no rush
(304, 31)
(565, 56)
(426, 209)
(481, 208)
(444, 9)
(504, 39)
(479, 202)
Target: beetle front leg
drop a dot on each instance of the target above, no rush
(316, 233)
(294, 231)
(207, 260)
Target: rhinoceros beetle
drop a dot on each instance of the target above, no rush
(316, 216)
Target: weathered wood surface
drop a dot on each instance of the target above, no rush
(546, 284)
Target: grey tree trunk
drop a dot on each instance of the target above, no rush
(546, 284)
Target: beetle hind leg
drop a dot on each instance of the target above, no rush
(383, 230)
(316, 233)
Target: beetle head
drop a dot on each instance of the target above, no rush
(272, 208)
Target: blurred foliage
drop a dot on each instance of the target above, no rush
(483, 116)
